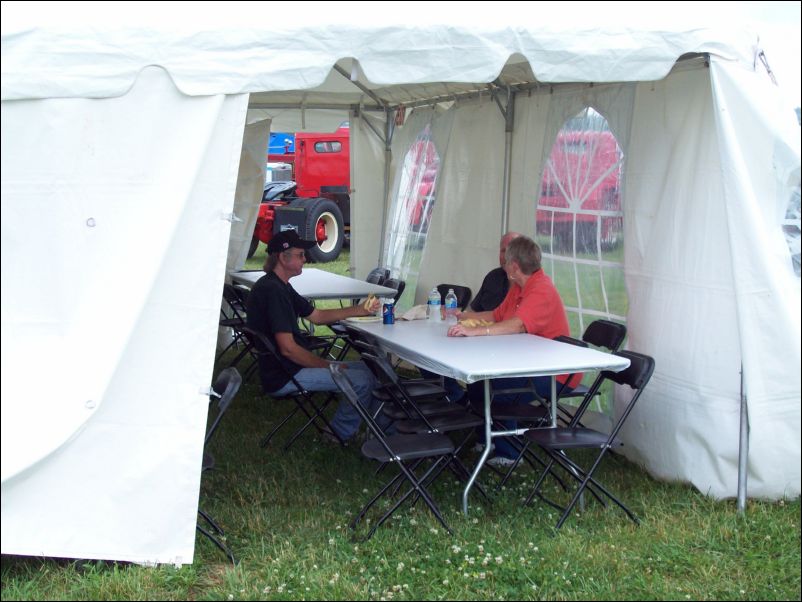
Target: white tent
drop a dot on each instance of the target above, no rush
(125, 154)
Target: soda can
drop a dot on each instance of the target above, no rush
(388, 313)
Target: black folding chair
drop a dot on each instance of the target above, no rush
(531, 415)
(377, 275)
(406, 451)
(232, 315)
(398, 285)
(303, 399)
(225, 388)
(400, 396)
(557, 441)
(604, 334)
(463, 294)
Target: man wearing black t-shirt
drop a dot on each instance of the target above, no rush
(496, 284)
(492, 292)
(274, 308)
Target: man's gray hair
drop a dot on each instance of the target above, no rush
(526, 253)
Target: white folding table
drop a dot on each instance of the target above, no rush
(317, 284)
(472, 359)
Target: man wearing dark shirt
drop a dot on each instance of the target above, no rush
(274, 308)
(492, 292)
(496, 284)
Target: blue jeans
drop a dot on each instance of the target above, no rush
(476, 393)
(346, 419)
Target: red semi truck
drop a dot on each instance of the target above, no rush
(317, 202)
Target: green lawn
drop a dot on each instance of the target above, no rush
(286, 515)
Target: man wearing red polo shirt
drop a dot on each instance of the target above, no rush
(532, 305)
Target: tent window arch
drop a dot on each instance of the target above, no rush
(579, 222)
(412, 211)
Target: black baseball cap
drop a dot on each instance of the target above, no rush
(287, 240)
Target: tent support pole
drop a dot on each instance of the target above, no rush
(509, 123)
(743, 450)
(388, 155)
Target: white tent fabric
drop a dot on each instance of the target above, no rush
(128, 172)
(108, 329)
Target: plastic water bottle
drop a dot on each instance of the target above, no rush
(451, 307)
(433, 308)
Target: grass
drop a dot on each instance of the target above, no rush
(286, 515)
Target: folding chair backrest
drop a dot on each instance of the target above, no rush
(378, 275)
(604, 333)
(263, 346)
(224, 389)
(380, 367)
(341, 380)
(637, 376)
(463, 294)
(236, 299)
(397, 285)
(571, 341)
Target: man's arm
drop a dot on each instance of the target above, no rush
(476, 315)
(294, 352)
(329, 316)
(512, 326)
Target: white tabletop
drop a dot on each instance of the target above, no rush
(318, 284)
(471, 359)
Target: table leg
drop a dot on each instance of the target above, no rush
(485, 453)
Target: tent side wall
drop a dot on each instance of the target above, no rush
(679, 257)
(114, 249)
(462, 242)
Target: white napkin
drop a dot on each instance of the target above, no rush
(418, 312)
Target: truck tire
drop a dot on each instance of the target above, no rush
(252, 248)
(324, 223)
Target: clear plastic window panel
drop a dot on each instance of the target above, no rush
(579, 223)
(411, 213)
(791, 229)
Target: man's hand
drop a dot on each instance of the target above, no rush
(371, 305)
(461, 330)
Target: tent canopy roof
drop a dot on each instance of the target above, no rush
(392, 65)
